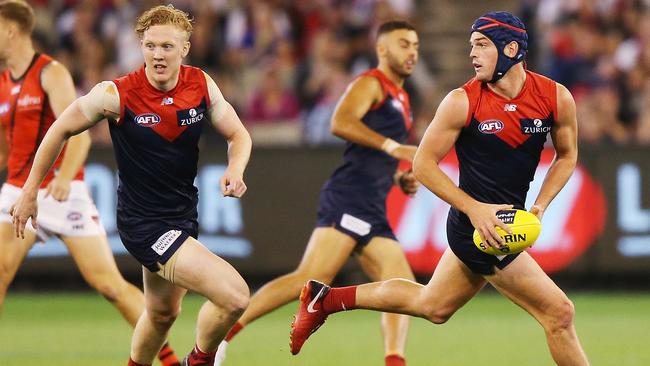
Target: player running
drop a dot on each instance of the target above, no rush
(34, 90)
(496, 168)
(374, 117)
(156, 115)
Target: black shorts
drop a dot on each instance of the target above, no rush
(460, 240)
(360, 223)
(155, 242)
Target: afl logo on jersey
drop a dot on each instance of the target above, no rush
(147, 119)
(490, 126)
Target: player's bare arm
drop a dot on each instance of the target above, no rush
(564, 135)
(101, 102)
(225, 120)
(58, 85)
(439, 138)
(353, 105)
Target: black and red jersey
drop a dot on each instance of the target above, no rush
(500, 146)
(366, 174)
(26, 115)
(156, 146)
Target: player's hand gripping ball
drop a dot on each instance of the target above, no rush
(525, 228)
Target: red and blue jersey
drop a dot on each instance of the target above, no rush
(156, 146)
(500, 146)
(366, 175)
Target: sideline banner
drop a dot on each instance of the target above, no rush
(599, 223)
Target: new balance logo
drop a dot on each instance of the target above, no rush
(510, 108)
(15, 90)
(167, 101)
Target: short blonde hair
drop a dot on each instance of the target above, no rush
(163, 15)
(19, 12)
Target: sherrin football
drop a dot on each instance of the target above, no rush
(525, 229)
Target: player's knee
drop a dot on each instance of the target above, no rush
(238, 298)
(561, 315)
(437, 314)
(437, 317)
(238, 302)
(110, 291)
(163, 318)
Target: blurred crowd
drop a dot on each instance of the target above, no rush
(599, 49)
(283, 64)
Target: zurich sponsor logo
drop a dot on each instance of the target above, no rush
(190, 116)
(530, 126)
(490, 126)
(147, 119)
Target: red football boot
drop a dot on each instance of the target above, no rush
(310, 314)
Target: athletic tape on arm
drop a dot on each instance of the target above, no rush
(218, 104)
(101, 99)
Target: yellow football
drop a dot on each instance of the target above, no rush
(525, 229)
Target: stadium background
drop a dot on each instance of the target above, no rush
(283, 64)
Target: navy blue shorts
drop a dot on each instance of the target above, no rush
(155, 241)
(460, 240)
(362, 222)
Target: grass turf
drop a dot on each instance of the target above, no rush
(82, 329)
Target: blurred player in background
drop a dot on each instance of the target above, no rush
(374, 117)
(496, 167)
(156, 115)
(34, 90)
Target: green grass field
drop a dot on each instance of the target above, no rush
(83, 329)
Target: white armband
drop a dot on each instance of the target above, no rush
(389, 146)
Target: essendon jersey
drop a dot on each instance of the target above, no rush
(156, 146)
(26, 115)
(367, 174)
(500, 146)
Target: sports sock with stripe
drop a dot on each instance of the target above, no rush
(233, 331)
(340, 299)
(167, 356)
